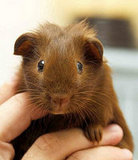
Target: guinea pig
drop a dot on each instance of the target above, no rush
(65, 74)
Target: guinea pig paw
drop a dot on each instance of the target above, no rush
(94, 133)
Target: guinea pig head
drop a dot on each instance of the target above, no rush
(60, 66)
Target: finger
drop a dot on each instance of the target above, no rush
(6, 151)
(102, 153)
(15, 116)
(112, 135)
(7, 90)
(64, 143)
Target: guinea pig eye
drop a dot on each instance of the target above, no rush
(41, 66)
(79, 67)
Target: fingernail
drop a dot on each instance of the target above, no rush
(128, 154)
(114, 128)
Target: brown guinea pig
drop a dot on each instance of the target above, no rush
(64, 72)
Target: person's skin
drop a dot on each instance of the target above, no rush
(69, 144)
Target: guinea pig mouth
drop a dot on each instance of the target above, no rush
(57, 112)
(58, 109)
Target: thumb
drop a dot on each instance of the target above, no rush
(112, 135)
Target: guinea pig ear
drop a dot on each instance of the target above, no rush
(93, 49)
(24, 44)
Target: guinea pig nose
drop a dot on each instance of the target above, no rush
(62, 101)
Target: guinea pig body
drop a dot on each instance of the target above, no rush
(64, 73)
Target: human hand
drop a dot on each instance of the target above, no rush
(55, 146)
(73, 145)
(15, 117)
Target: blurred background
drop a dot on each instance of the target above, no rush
(116, 24)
